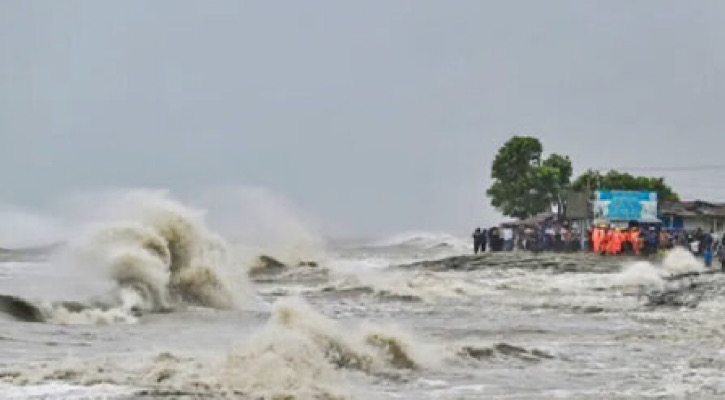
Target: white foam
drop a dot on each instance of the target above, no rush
(640, 273)
(58, 390)
(299, 353)
(645, 274)
(681, 261)
(425, 241)
(151, 244)
(422, 285)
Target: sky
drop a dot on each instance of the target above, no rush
(374, 116)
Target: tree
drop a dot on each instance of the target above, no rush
(557, 170)
(615, 180)
(524, 185)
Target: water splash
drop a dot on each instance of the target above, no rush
(150, 253)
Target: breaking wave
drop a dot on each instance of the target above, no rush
(646, 274)
(153, 254)
(298, 354)
(298, 343)
(398, 285)
(681, 261)
(640, 274)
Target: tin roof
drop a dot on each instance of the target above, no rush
(692, 209)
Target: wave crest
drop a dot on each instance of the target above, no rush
(152, 254)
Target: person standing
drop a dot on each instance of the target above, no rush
(634, 240)
(549, 238)
(706, 247)
(597, 238)
(685, 240)
(664, 239)
(651, 240)
(484, 240)
(610, 240)
(616, 242)
(722, 253)
(508, 239)
(707, 256)
(496, 242)
(568, 238)
(699, 238)
(626, 243)
(707, 240)
(477, 240)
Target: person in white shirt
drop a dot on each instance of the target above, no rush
(508, 239)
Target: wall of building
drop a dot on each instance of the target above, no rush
(706, 224)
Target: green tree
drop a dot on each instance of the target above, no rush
(615, 180)
(557, 171)
(524, 185)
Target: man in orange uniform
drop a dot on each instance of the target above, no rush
(621, 237)
(603, 235)
(634, 240)
(609, 241)
(615, 242)
(596, 240)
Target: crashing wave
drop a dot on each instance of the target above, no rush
(640, 274)
(155, 255)
(421, 286)
(677, 261)
(299, 354)
(681, 261)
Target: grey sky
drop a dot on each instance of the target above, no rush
(374, 116)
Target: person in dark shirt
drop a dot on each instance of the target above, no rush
(484, 240)
(699, 237)
(495, 240)
(722, 253)
(706, 247)
(706, 241)
(651, 241)
(477, 240)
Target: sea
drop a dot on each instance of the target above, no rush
(156, 303)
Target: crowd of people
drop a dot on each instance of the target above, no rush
(494, 239)
(602, 239)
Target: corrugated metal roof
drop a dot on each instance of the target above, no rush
(692, 209)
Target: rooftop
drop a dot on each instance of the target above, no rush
(693, 208)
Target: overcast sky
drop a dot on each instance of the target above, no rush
(373, 116)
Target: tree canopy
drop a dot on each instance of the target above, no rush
(615, 180)
(524, 184)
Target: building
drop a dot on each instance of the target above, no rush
(620, 208)
(691, 215)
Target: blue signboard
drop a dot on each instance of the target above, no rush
(624, 205)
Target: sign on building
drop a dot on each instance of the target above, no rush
(624, 205)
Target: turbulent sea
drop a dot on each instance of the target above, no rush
(154, 304)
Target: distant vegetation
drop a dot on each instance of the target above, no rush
(615, 180)
(526, 184)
